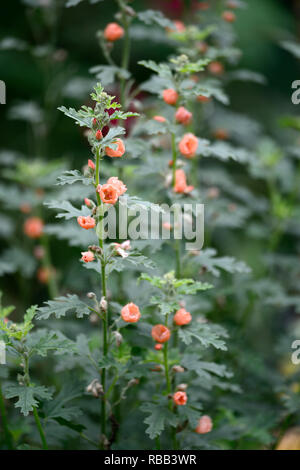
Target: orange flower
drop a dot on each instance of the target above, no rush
(25, 207)
(160, 333)
(86, 222)
(87, 256)
(118, 152)
(131, 313)
(113, 31)
(180, 398)
(221, 134)
(33, 227)
(158, 347)
(99, 135)
(182, 317)
(204, 425)
(216, 68)
(87, 202)
(188, 145)
(228, 16)
(170, 96)
(91, 164)
(180, 183)
(203, 99)
(108, 193)
(159, 118)
(118, 184)
(43, 275)
(183, 116)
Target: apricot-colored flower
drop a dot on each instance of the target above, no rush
(39, 252)
(33, 227)
(160, 333)
(183, 116)
(180, 182)
(86, 222)
(204, 425)
(99, 135)
(131, 313)
(203, 99)
(170, 96)
(118, 152)
(91, 164)
(158, 347)
(25, 207)
(108, 193)
(182, 317)
(113, 31)
(43, 275)
(228, 16)
(87, 256)
(118, 184)
(188, 145)
(216, 68)
(122, 248)
(159, 118)
(221, 134)
(180, 398)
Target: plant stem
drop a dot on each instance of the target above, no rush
(103, 288)
(125, 58)
(174, 159)
(40, 429)
(7, 434)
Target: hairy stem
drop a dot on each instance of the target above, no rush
(103, 289)
(174, 159)
(40, 429)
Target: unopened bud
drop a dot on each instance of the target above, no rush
(177, 369)
(103, 304)
(94, 319)
(133, 382)
(118, 338)
(182, 387)
(95, 388)
(91, 295)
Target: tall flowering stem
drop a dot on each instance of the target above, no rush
(103, 288)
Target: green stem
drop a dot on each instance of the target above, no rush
(125, 58)
(103, 287)
(40, 429)
(174, 159)
(7, 434)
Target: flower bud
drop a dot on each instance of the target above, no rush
(177, 368)
(182, 387)
(103, 304)
(91, 295)
(118, 338)
(95, 388)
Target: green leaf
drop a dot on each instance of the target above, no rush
(291, 46)
(83, 117)
(27, 396)
(151, 17)
(207, 335)
(107, 73)
(63, 305)
(70, 210)
(42, 341)
(73, 176)
(159, 417)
